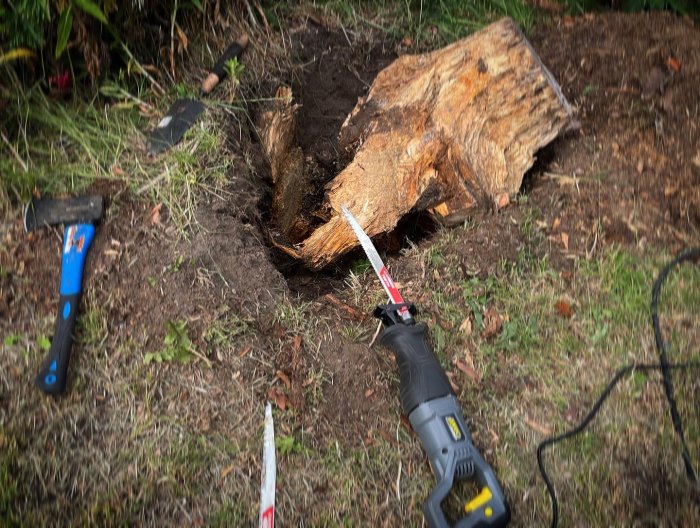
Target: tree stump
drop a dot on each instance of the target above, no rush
(443, 131)
(277, 128)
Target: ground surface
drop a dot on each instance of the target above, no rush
(531, 309)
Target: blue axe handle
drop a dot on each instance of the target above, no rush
(76, 242)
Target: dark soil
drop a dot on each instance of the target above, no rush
(634, 81)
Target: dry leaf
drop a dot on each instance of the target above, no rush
(565, 241)
(182, 38)
(450, 378)
(284, 379)
(546, 431)
(492, 323)
(278, 397)
(369, 393)
(297, 343)
(386, 436)
(155, 213)
(556, 223)
(469, 371)
(673, 64)
(245, 351)
(466, 326)
(564, 309)
(225, 472)
(278, 331)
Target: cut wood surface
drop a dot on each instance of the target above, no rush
(443, 131)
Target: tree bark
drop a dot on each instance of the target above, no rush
(443, 131)
(277, 128)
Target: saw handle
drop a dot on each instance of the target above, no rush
(422, 377)
(429, 402)
(76, 242)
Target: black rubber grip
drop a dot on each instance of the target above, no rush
(219, 69)
(422, 377)
(52, 376)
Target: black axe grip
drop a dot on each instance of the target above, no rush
(51, 378)
(218, 72)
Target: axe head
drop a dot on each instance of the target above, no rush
(47, 211)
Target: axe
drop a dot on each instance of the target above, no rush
(184, 112)
(78, 214)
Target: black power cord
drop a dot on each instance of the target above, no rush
(663, 365)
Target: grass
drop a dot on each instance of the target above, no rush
(558, 365)
(568, 361)
(427, 24)
(67, 147)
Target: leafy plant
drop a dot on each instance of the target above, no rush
(234, 70)
(287, 445)
(22, 23)
(11, 339)
(227, 327)
(44, 343)
(177, 345)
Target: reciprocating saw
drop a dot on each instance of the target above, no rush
(432, 408)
